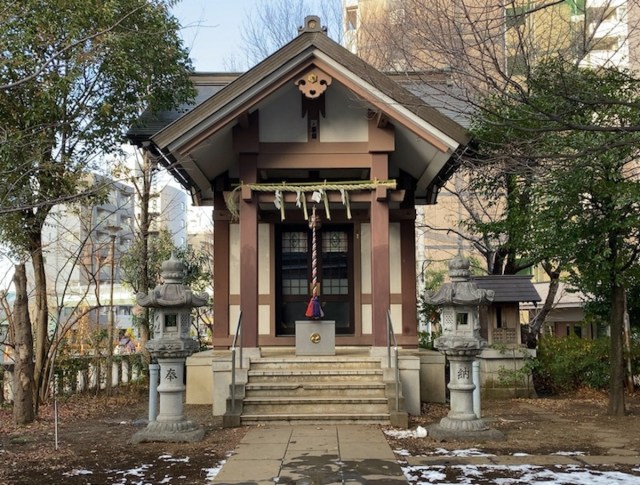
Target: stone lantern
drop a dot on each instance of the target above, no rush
(460, 300)
(171, 345)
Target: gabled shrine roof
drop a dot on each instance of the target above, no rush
(222, 101)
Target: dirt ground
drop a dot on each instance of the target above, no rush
(571, 423)
(94, 433)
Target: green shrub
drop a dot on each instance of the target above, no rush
(567, 363)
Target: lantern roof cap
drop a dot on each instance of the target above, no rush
(461, 290)
(172, 293)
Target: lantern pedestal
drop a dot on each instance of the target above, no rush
(462, 423)
(315, 337)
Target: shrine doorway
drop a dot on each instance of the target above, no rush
(334, 251)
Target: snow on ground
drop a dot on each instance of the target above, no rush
(439, 474)
(516, 475)
(212, 473)
(400, 433)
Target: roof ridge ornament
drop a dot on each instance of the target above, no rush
(312, 24)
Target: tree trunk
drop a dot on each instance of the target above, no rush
(616, 321)
(42, 319)
(23, 382)
(535, 324)
(145, 224)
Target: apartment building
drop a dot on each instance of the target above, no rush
(82, 248)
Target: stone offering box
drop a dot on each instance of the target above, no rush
(315, 337)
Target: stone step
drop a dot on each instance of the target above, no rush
(315, 405)
(317, 363)
(297, 389)
(324, 375)
(337, 418)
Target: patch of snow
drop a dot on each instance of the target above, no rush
(402, 452)
(170, 458)
(166, 479)
(75, 472)
(132, 472)
(419, 474)
(521, 474)
(467, 452)
(212, 473)
(520, 454)
(400, 433)
(569, 453)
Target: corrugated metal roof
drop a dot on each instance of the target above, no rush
(508, 288)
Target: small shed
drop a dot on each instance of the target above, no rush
(500, 321)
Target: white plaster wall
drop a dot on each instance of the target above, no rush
(395, 258)
(365, 257)
(346, 117)
(264, 319)
(396, 318)
(280, 119)
(264, 259)
(234, 259)
(367, 320)
(234, 311)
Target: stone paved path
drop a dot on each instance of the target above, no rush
(327, 454)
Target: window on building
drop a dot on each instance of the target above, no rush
(605, 44)
(351, 18)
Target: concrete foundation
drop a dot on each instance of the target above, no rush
(503, 373)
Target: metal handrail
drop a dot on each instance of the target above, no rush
(392, 336)
(233, 361)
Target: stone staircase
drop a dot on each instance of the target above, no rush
(317, 389)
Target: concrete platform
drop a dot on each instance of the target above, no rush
(327, 454)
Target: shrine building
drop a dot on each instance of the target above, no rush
(312, 128)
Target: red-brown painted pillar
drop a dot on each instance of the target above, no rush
(221, 248)
(408, 258)
(248, 252)
(380, 287)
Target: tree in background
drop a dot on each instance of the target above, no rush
(149, 257)
(74, 75)
(272, 23)
(546, 125)
(573, 146)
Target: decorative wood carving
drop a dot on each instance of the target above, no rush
(313, 83)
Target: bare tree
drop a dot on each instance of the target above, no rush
(272, 23)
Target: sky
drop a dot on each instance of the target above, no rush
(212, 30)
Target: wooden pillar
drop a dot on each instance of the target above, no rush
(221, 248)
(380, 286)
(248, 252)
(408, 259)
